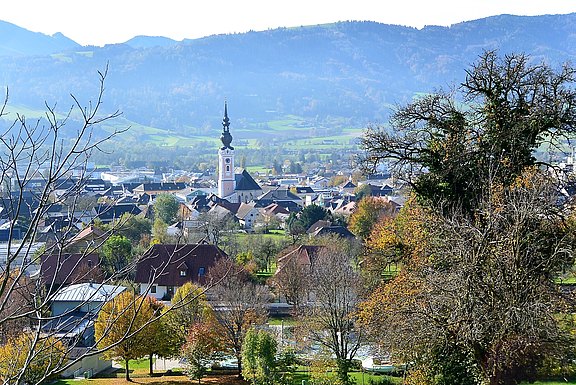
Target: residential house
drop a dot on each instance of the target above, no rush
(303, 255)
(282, 196)
(347, 187)
(74, 310)
(274, 212)
(155, 188)
(61, 269)
(248, 214)
(322, 227)
(107, 213)
(165, 267)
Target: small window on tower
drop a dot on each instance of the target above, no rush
(227, 168)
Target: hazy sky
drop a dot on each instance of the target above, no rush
(111, 21)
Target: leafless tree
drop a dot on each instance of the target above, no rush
(240, 303)
(330, 320)
(292, 280)
(43, 164)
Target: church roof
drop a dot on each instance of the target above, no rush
(244, 181)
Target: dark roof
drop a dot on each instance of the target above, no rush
(275, 208)
(130, 186)
(161, 186)
(318, 225)
(162, 263)
(244, 181)
(107, 213)
(348, 184)
(68, 268)
(304, 190)
(280, 195)
(338, 230)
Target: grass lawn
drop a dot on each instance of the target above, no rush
(170, 380)
(359, 377)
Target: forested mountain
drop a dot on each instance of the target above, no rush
(346, 74)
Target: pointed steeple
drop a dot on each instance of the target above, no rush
(226, 120)
(226, 137)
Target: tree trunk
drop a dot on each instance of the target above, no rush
(239, 359)
(127, 370)
(151, 372)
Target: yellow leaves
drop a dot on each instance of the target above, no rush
(122, 323)
(46, 354)
(369, 211)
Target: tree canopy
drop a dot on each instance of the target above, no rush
(121, 325)
(485, 235)
(450, 148)
(166, 208)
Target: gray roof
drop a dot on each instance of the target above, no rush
(87, 292)
(244, 181)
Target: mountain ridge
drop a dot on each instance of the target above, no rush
(326, 77)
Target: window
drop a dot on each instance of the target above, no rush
(182, 273)
(201, 271)
(90, 264)
(153, 289)
(227, 168)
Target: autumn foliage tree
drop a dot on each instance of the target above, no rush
(189, 306)
(29, 358)
(485, 236)
(125, 327)
(203, 345)
(368, 212)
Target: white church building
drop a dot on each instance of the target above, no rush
(234, 185)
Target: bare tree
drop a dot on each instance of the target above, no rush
(240, 303)
(330, 320)
(44, 164)
(292, 280)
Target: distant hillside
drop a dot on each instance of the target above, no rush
(16, 41)
(321, 78)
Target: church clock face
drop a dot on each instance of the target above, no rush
(227, 160)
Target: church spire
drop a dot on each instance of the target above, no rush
(226, 137)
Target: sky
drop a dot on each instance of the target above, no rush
(100, 22)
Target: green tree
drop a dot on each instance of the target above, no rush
(117, 253)
(312, 214)
(511, 107)
(259, 357)
(166, 208)
(121, 324)
(362, 191)
(160, 231)
(134, 227)
(189, 306)
(295, 227)
(265, 249)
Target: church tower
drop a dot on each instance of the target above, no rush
(226, 178)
